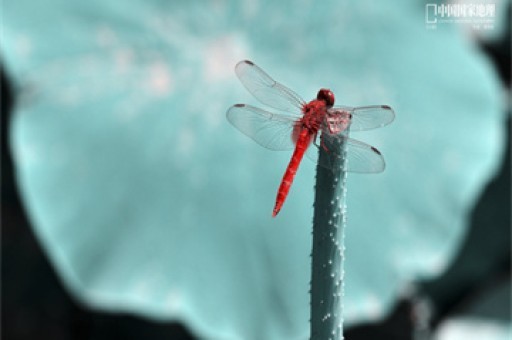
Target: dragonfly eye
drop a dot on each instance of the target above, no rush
(327, 96)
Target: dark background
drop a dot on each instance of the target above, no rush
(36, 306)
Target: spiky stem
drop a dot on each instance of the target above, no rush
(328, 244)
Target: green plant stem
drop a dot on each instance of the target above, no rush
(328, 244)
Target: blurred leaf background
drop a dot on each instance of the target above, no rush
(147, 202)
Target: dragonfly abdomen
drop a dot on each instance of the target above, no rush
(300, 149)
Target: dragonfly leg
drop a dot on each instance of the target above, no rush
(315, 142)
(323, 145)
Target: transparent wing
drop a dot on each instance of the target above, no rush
(266, 89)
(364, 158)
(272, 131)
(367, 117)
(361, 157)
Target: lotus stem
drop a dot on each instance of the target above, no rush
(328, 243)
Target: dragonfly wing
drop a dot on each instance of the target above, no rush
(361, 157)
(272, 131)
(371, 117)
(266, 89)
(312, 154)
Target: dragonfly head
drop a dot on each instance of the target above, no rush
(326, 96)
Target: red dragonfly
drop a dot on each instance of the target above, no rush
(300, 127)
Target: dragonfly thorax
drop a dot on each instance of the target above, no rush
(314, 114)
